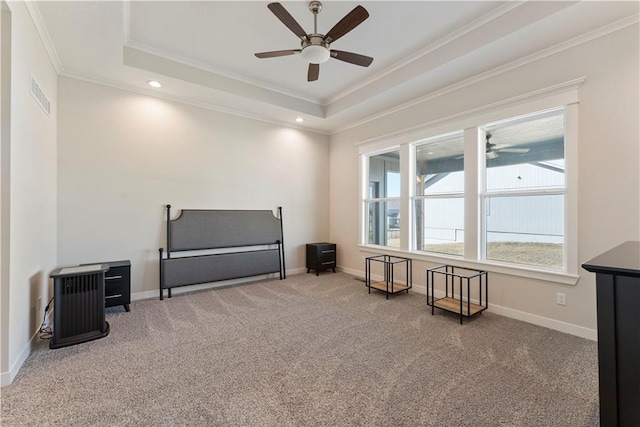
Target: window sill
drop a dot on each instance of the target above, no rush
(494, 267)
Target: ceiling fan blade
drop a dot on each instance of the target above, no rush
(514, 150)
(277, 53)
(288, 20)
(346, 24)
(313, 73)
(352, 58)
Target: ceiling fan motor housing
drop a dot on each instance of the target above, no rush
(315, 6)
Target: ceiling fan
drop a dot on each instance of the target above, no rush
(315, 46)
(493, 149)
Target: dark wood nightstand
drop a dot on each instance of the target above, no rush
(117, 284)
(321, 256)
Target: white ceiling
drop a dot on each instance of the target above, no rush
(202, 51)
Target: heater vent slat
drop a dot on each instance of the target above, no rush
(40, 97)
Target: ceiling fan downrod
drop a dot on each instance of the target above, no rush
(315, 49)
(315, 7)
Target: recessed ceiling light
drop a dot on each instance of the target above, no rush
(154, 83)
(299, 120)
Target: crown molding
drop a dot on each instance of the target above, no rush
(128, 42)
(576, 41)
(36, 18)
(158, 64)
(208, 68)
(188, 101)
(454, 35)
(568, 88)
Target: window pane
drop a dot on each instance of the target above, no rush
(525, 229)
(383, 224)
(393, 184)
(439, 165)
(440, 225)
(526, 153)
(384, 175)
(526, 176)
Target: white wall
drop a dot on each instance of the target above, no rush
(609, 181)
(5, 180)
(123, 156)
(32, 193)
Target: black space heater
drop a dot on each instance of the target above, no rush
(78, 305)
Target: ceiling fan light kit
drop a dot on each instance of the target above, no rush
(315, 51)
(315, 46)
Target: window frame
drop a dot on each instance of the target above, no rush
(563, 95)
(365, 162)
(421, 197)
(485, 194)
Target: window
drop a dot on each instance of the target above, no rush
(493, 188)
(439, 195)
(520, 175)
(524, 190)
(382, 206)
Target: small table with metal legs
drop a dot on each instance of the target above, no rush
(390, 264)
(460, 304)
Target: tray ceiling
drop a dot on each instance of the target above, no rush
(202, 51)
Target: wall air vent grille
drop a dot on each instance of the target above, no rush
(40, 97)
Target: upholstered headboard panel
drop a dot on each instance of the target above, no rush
(210, 229)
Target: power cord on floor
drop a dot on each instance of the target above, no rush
(46, 332)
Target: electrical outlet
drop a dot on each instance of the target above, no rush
(561, 299)
(39, 303)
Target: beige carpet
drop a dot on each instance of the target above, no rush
(308, 351)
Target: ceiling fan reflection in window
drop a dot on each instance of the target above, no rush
(315, 46)
(493, 150)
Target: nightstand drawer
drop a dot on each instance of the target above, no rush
(326, 263)
(321, 250)
(113, 286)
(324, 251)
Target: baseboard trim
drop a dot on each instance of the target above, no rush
(556, 325)
(7, 378)
(351, 271)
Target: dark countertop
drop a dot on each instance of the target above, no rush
(622, 260)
